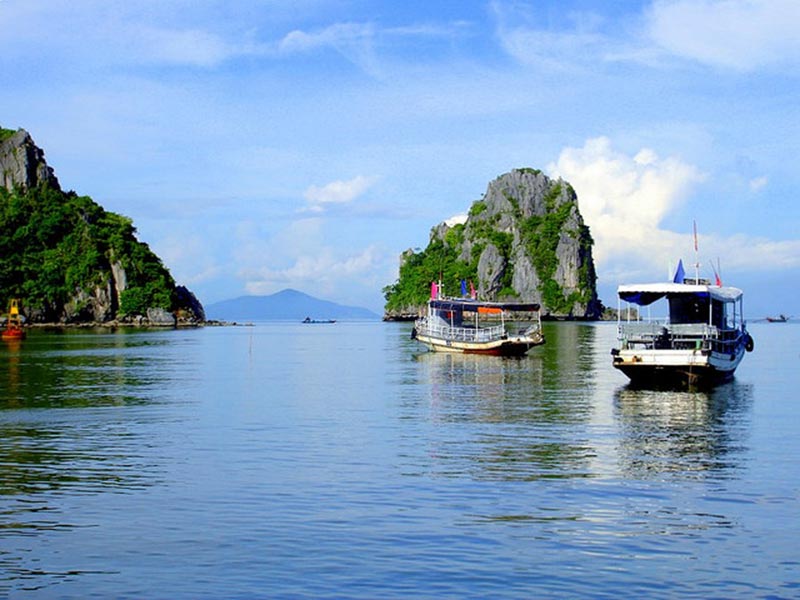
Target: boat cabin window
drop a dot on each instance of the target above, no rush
(451, 317)
(694, 309)
(687, 308)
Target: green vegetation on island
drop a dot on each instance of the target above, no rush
(69, 260)
(55, 244)
(524, 240)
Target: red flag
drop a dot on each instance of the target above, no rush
(472, 293)
(434, 290)
(717, 279)
(694, 229)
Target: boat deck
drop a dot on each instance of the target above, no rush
(433, 329)
(679, 336)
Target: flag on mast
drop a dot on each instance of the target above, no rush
(463, 288)
(680, 274)
(434, 290)
(717, 278)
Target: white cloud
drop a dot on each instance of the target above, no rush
(758, 183)
(326, 270)
(303, 256)
(339, 36)
(115, 33)
(755, 254)
(456, 220)
(181, 47)
(737, 34)
(361, 43)
(534, 45)
(354, 41)
(624, 199)
(337, 192)
(187, 255)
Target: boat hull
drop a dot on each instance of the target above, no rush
(676, 368)
(511, 346)
(13, 334)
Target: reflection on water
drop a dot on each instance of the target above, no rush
(48, 459)
(49, 452)
(83, 369)
(520, 409)
(687, 434)
(288, 461)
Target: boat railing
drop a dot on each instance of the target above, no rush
(677, 336)
(460, 334)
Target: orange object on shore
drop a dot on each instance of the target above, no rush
(13, 330)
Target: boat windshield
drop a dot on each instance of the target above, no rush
(688, 308)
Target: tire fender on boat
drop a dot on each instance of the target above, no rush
(749, 344)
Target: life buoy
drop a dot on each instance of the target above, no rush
(748, 343)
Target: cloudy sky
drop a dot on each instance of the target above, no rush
(265, 144)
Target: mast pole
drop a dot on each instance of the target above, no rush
(696, 260)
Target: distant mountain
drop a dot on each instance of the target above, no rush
(286, 305)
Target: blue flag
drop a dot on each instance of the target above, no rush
(679, 273)
(463, 287)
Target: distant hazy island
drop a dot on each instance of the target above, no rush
(524, 240)
(70, 261)
(286, 305)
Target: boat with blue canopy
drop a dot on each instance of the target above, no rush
(700, 340)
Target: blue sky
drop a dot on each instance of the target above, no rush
(259, 145)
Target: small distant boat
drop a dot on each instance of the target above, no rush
(702, 341)
(453, 325)
(778, 319)
(13, 329)
(309, 320)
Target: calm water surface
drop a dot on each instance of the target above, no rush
(343, 461)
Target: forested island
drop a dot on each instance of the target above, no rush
(68, 260)
(523, 240)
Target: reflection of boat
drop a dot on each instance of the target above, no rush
(683, 434)
(702, 340)
(778, 319)
(13, 329)
(449, 327)
(310, 320)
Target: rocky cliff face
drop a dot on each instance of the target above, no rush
(47, 231)
(22, 163)
(524, 240)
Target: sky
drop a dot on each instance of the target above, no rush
(265, 144)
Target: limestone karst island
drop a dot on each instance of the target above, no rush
(69, 260)
(525, 240)
(72, 262)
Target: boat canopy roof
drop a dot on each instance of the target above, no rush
(644, 294)
(469, 305)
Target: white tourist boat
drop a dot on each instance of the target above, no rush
(701, 340)
(473, 327)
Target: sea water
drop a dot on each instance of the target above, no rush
(344, 461)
